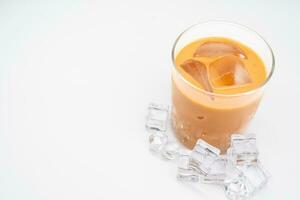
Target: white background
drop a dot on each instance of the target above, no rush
(75, 81)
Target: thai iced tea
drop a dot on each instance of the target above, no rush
(210, 74)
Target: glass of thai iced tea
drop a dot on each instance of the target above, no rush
(219, 74)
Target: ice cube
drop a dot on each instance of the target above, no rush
(170, 151)
(203, 156)
(217, 173)
(197, 70)
(236, 185)
(157, 141)
(228, 71)
(212, 49)
(243, 149)
(184, 172)
(243, 181)
(256, 175)
(157, 118)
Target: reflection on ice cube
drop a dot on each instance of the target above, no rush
(228, 71)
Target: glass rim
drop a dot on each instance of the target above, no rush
(232, 24)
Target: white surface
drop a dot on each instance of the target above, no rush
(76, 77)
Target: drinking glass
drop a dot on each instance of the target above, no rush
(195, 113)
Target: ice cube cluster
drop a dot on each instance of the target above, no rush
(226, 70)
(239, 171)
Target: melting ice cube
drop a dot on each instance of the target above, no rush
(170, 151)
(243, 181)
(157, 141)
(236, 185)
(256, 175)
(243, 149)
(203, 156)
(185, 172)
(217, 173)
(197, 70)
(228, 71)
(211, 49)
(157, 118)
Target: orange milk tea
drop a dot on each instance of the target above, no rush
(209, 81)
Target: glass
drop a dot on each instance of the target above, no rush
(195, 113)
